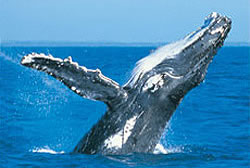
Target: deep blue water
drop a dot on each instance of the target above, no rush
(40, 116)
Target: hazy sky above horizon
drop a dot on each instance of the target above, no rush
(116, 20)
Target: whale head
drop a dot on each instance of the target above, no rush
(176, 68)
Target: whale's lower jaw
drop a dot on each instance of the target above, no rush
(139, 111)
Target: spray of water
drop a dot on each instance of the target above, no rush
(45, 149)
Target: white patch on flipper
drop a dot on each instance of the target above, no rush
(29, 58)
(69, 59)
(73, 88)
(117, 140)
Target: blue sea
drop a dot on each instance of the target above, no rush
(41, 120)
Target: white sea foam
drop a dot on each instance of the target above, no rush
(160, 149)
(45, 149)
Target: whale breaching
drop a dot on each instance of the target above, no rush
(138, 112)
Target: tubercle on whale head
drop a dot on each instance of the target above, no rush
(214, 33)
(184, 62)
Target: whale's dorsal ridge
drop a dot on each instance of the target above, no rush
(87, 83)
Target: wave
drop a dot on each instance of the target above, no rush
(160, 149)
(45, 149)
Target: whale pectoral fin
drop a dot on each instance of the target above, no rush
(91, 84)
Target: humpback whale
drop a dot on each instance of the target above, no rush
(138, 112)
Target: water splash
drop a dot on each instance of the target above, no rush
(10, 59)
(160, 149)
(45, 149)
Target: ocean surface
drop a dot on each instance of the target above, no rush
(41, 120)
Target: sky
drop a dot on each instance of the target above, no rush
(116, 20)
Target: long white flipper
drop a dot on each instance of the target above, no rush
(91, 84)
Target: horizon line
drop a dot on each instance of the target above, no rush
(49, 43)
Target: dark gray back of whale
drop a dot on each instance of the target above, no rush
(139, 111)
